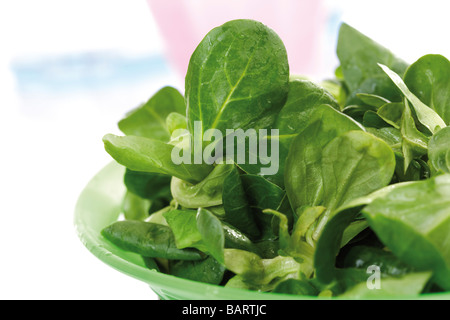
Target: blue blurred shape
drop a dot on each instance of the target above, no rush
(85, 71)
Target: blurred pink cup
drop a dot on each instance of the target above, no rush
(299, 23)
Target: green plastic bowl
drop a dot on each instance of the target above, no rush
(99, 205)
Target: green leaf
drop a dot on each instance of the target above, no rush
(439, 151)
(303, 176)
(357, 112)
(337, 88)
(297, 244)
(359, 56)
(363, 257)
(392, 113)
(390, 135)
(206, 193)
(373, 120)
(236, 204)
(259, 273)
(262, 195)
(413, 222)
(148, 185)
(304, 96)
(372, 99)
(331, 239)
(396, 287)
(212, 233)
(237, 77)
(149, 119)
(135, 207)
(175, 121)
(414, 142)
(147, 239)
(149, 155)
(429, 79)
(183, 224)
(296, 287)
(235, 239)
(208, 270)
(426, 116)
(187, 235)
(355, 164)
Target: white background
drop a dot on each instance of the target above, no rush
(51, 138)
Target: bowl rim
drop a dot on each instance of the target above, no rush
(95, 243)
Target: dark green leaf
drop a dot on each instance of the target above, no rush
(296, 287)
(359, 56)
(147, 239)
(148, 185)
(237, 77)
(364, 256)
(208, 270)
(236, 204)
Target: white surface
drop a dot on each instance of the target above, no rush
(51, 145)
(51, 142)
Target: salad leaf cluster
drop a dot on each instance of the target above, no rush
(363, 181)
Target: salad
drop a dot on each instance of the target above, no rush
(259, 179)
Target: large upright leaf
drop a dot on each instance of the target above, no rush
(149, 119)
(304, 96)
(238, 76)
(429, 79)
(354, 164)
(303, 176)
(359, 55)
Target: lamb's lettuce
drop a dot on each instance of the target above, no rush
(362, 181)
